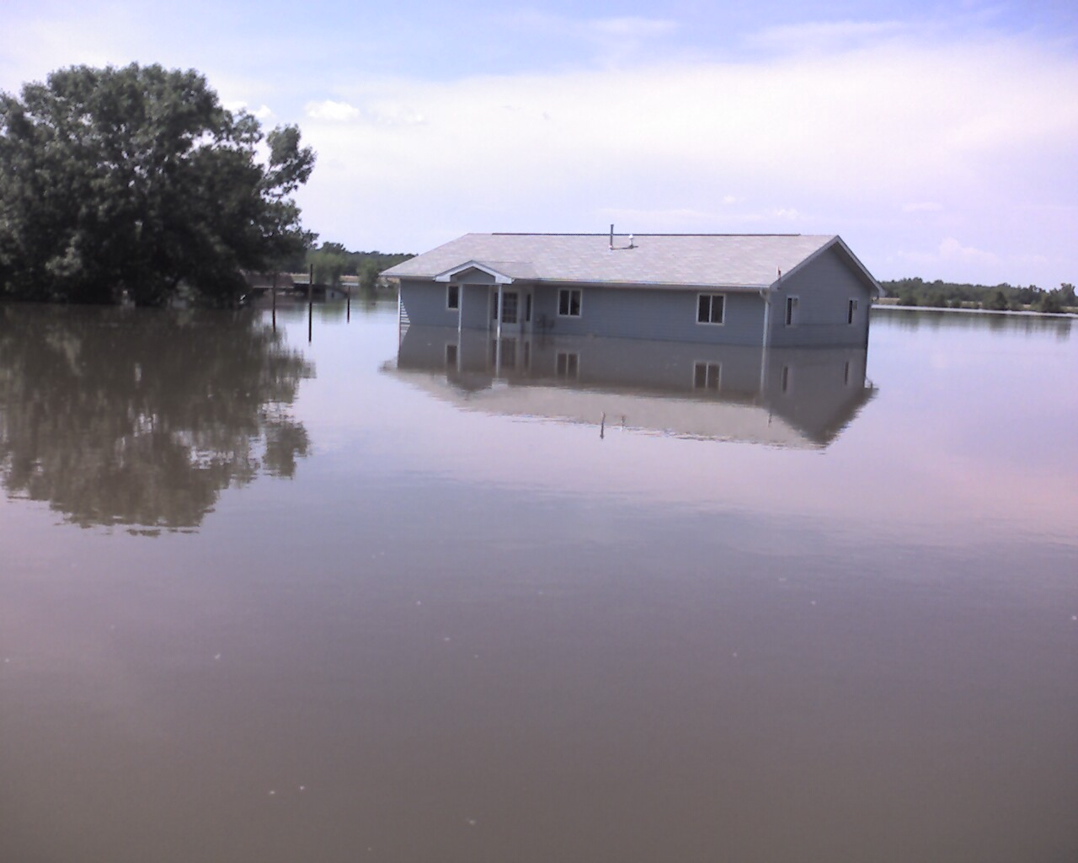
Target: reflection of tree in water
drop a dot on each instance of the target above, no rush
(123, 416)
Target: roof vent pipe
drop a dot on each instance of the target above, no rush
(611, 238)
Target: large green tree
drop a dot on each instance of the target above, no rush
(136, 182)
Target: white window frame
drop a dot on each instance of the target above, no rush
(793, 304)
(711, 309)
(568, 292)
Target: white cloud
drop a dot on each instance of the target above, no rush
(825, 35)
(262, 113)
(332, 112)
(857, 132)
(951, 249)
(632, 28)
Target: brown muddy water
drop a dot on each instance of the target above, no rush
(360, 600)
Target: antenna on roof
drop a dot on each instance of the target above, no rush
(611, 237)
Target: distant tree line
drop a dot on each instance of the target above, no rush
(1002, 297)
(332, 261)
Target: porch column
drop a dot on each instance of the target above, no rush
(498, 334)
(460, 311)
(501, 309)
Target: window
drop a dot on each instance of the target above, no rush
(851, 310)
(452, 297)
(710, 308)
(509, 310)
(567, 364)
(707, 376)
(791, 311)
(569, 302)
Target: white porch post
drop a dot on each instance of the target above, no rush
(501, 309)
(460, 310)
(498, 335)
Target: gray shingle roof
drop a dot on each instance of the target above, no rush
(723, 260)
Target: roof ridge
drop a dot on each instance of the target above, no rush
(637, 234)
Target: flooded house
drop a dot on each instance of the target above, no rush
(767, 290)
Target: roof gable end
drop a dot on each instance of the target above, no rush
(450, 275)
(852, 261)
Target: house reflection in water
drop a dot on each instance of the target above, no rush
(791, 397)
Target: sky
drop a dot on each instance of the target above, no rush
(938, 139)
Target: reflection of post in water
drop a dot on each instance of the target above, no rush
(141, 417)
(310, 305)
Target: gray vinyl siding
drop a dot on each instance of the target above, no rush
(424, 303)
(823, 289)
(653, 313)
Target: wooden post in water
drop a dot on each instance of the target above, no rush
(274, 301)
(310, 304)
(348, 305)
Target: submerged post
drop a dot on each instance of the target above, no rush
(310, 304)
(274, 300)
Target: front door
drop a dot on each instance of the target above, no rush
(510, 310)
(516, 310)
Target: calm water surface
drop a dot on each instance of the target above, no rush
(265, 600)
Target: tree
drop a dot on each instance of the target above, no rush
(330, 263)
(1049, 303)
(136, 182)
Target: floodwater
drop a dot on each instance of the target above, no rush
(264, 599)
